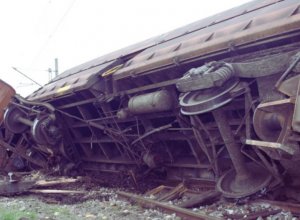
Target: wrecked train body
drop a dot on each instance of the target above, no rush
(215, 100)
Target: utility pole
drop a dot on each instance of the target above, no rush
(56, 66)
(50, 71)
(50, 74)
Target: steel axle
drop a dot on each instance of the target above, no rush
(246, 178)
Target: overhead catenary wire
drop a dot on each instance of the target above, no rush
(52, 33)
(32, 69)
(20, 85)
(23, 74)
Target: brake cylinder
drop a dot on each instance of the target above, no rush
(151, 102)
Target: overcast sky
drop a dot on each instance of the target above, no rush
(34, 32)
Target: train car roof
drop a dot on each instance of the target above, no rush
(252, 21)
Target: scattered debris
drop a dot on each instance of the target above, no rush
(175, 193)
(14, 186)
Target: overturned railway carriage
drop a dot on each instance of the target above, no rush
(215, 100)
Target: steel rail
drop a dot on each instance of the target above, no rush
(181, 212)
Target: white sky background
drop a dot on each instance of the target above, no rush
(34, 32)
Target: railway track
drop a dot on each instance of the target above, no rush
(180, 200)
(181, 212)
(257, 209)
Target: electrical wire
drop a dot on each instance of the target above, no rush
(23, 74)
(53, 32)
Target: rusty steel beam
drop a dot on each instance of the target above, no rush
(22, 154)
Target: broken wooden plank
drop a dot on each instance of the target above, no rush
(56, 182)
(155, 190)
(174, 193)
(56, 191)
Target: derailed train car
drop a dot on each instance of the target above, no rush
(216, 100)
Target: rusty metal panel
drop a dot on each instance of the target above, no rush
(6, 93)
(73, 82)
(251, 26)
(220, 17)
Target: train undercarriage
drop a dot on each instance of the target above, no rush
(216, 101)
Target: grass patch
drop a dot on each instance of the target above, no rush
(12, 214)
(62, 212)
